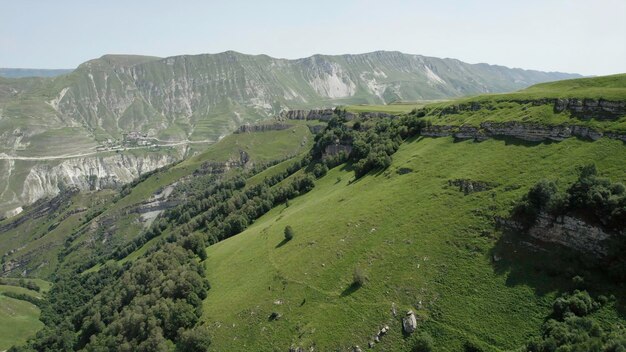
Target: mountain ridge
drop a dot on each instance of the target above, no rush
(119, 101)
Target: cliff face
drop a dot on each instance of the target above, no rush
(571, 232)
(532, 132)
(88, 173)
(47, 179)
(585, 109)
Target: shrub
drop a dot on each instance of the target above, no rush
(358, 277)
(579, 303)
(288, 233)
(471, 346)
(424, 343)
(319, 170)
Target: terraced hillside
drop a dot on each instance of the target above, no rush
(65, 125)
(481, 225)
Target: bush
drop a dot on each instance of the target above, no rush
(579, 303)
(358, 277)
(424, 343)
(288, 233)
(471, 346)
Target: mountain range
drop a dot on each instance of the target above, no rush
(57, 131)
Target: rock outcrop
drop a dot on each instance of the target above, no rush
(585, 109)
(571, 232)
(316, 114)
(89, 173)
(262, 127)
(532, 132)
(409, 322)
(592, 108)
(334, 149)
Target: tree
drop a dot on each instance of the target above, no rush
(288, 233)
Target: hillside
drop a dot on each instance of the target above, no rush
(121, 102)
(416, 211)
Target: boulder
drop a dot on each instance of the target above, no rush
(409, 322)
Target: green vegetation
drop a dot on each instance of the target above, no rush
(416, 238)
(424, 343)
(288, 233)
(392, 108)
(19, 319)
(533, 105)
(381, 227)
(574, 327)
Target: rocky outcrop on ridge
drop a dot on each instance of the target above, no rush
(584, 109)
(248, 128)
(532, 132)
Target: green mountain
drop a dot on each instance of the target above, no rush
(493, 223)
(53, 131)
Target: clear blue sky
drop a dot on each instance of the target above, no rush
(580, 36)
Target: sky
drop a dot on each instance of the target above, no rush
(586, 37)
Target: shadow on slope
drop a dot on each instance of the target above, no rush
(548, 268)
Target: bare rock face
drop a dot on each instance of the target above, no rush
(572, 233)
(409, 322)
(584, 109)
(317, 114)
(532, 132)
(334, 149)
(591, 108)
(89, 173)
(262, 127)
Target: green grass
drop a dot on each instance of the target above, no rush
(19, 320)
(518, 106)
(43, 284)
(416, 239)
(261, 147)
(395, 108)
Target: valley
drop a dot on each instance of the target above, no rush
(459, 211)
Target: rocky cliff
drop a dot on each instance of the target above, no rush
(47, 179)
(571, 232)
(532, 132)
(585, 109)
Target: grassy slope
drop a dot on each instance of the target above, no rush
(19, 320)
(503, 107)
(42, 245)
(261, 147)
(417, 240)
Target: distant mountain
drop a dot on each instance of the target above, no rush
(203, 97)
(32, 72)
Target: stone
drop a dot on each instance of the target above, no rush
(409, 322)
